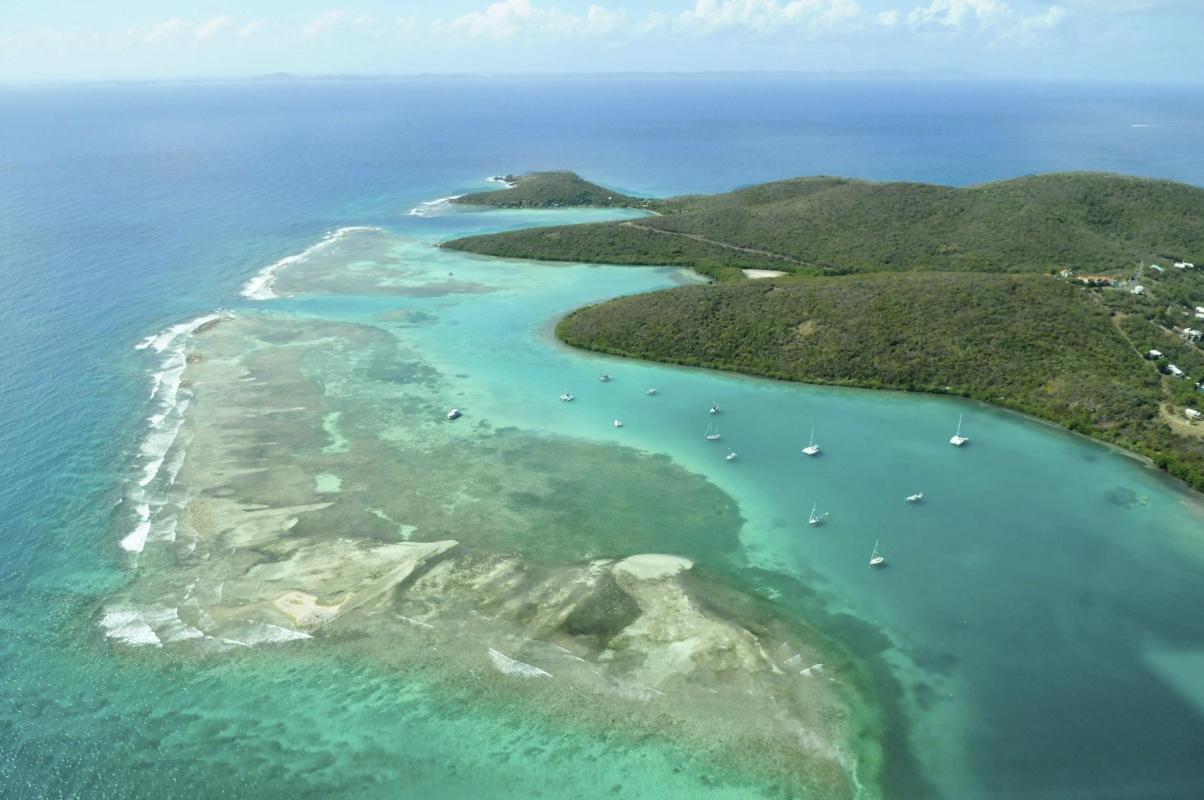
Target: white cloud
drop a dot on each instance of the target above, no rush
(335, 19)
(888, 19)
(251, 28)
(1130, 6)
(213, 26)
(1031, 29)
(507, 19)
(959, 15)
(766, 17)
(162, 31)
(994, 20)
(178, 29)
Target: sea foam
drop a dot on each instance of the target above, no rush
(261, 286)
(147, 493)
(433, 208)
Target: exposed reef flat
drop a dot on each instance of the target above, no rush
(324, 496)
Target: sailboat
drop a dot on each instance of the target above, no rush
(816, 518)
(714, 407)
(712, 434)
(812, 449)
(957, 440)
(731, 456)
(915, 498)
(651, 391)
(618, 423)
(875, 559)
(605, 378)
(567, 397)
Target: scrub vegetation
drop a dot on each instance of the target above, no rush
(971, 291)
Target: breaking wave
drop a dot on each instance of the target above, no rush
(261, 286)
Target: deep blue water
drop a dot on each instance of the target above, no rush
(124, 209)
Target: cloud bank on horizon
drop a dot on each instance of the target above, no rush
(1116, 39)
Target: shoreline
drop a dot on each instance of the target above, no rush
(1142, 459)
(298, 609)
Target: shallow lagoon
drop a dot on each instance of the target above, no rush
(1029, 634)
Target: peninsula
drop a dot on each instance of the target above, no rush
(1070, 297)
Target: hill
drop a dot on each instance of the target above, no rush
(550, 190)
(1086, 221)
(1031, 343)
(918, 287)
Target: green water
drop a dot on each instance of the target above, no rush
(1033, 633)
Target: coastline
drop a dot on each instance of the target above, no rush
(189, 594)
(1140, 458)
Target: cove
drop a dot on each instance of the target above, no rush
(1029, 635)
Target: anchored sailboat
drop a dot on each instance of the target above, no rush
(712, 434)
(714, 407)
(812, 449)
(651, 391)
(875, 559)
(915, 498)
(957, 440)
(567, 397)
(816, 518)
(731, 456)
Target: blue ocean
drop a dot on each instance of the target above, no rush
(1039, 637)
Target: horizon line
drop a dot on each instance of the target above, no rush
(936, 74)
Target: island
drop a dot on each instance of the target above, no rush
(1071, 297)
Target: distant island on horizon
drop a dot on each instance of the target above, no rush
(1071, 297)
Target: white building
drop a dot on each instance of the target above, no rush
(1174, 371)
(1184, 265)
(1200, 309)
(1191, 335)
(1137, 289)
(1154, 355)
(1191, 413)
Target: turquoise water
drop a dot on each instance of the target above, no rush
(1036, 633)
(1018, 613)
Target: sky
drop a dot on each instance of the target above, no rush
(1098, 40)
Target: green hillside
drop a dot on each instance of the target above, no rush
(916, 287)
(1087, 221)
(1032, 343)
(550, 190)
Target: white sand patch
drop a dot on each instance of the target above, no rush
(652, 566)
(509, 666)
(305, 610)
(755, 274)
(327, 482)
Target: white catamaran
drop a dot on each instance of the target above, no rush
(816, 518)
(957, 440)
(812, 449)
(567, 397)
(712, 434)
(875, 559)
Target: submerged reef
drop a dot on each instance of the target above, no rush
(322, 495)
